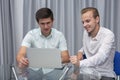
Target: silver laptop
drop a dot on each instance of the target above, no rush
(44, 58)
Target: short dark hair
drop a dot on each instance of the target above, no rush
(44, 13)
(94, 10)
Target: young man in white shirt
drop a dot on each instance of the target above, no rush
(98, 45)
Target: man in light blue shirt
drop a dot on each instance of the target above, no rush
(43, 37)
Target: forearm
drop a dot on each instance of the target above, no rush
(65, 57)
(65, 60)
(19, 56)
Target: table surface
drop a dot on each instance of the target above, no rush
(69, 73)
(81, 74)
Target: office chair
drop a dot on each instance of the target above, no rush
(117, 64)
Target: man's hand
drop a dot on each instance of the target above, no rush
(23, 62)
(74, 60)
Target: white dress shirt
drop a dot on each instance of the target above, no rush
(99, 52)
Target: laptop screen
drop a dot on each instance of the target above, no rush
(44, 57)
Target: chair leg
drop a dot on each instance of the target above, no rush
(118, 78)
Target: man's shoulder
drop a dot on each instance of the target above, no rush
(34, 31)
(106, 30)
(55, 31)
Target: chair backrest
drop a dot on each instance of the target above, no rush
(117, 63)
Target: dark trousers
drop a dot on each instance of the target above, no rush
(107, 78)
(35, 75)
(38, 75)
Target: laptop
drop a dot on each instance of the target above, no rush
(44, 57)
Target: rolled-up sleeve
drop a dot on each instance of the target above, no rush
(62, 44)
(27, 40)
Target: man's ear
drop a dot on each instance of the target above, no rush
(98, 19)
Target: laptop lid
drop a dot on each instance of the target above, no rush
(44, 57)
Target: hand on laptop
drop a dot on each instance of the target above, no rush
(23, 63)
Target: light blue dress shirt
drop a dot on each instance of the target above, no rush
(35, 39)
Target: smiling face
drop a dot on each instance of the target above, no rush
(90, 23)
(44, 18)
(45, 25)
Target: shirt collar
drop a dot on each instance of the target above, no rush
(96, 38)
(47, 36)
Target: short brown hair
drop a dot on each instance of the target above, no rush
(94, 10)
(44, 13)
